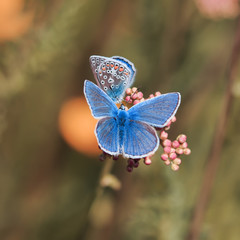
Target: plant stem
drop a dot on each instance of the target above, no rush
(90, 233)
(108, 164)
(214, 155)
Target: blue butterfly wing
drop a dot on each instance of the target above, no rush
(107, 135)
(113, 76)
(157, 111)
(140, 140)
(100, 103)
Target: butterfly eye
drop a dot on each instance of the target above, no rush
(105, 88)
(110, 80)
(105, 76)
(102, 82)
(125, 83)
(123, 78)
(112, 86)
(118, 76)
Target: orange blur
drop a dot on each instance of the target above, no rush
(77, 126)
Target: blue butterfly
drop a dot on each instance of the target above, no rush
(113, 75)
(129, 133)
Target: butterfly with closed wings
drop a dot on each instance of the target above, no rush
(113, 75)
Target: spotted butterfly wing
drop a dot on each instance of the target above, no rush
(130, 66)
(113, 75)
(95, 62)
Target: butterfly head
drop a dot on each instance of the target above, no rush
(122, 107)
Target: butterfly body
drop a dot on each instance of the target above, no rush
(130, 133)
(123, 123)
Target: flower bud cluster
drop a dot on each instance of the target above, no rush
(173, 149)
(134, 96)
(132, 163)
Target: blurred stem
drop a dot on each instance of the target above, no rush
(108, 165)
(214, 155)
(94, 208)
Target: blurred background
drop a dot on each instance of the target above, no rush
(49, 167)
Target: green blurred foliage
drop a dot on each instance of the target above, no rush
(47, 188)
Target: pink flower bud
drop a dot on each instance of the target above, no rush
(167, 128)
(172, 156)
(169, 123)
(142, 100)
(167, 150)
(151, 96)
(136, 164)
(128, 99)
(174, 167)
(130, 162)
(187, 151)
(157, 93)
(177, 161)
(167, 162)
(167, 143)
(174, 119)
(175, 144)
(140, 95)
(129, 169)
(134, 89)
(128, 91)
(164, 156)
(136, 102)
(179, 151)
(182, 138)
(134, 96)
(184, 145)
(147, 160)
(173, 150)
(163, 135)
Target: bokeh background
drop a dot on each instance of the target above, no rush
(49, 167)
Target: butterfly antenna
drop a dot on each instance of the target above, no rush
(137, 90)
